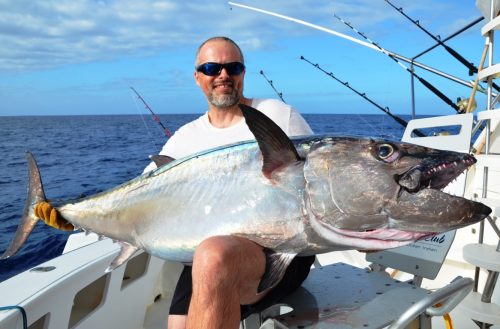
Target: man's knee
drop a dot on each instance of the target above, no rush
(228, 262)
(217, 255)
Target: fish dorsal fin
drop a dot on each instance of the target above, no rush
(277, 149)
(276, 265)
(126, 251)
(161, 160)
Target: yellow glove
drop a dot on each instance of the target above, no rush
(52, 217)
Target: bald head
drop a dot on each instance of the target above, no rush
(217, 39)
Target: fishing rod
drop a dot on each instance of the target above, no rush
(451, 36)
(451, 51)
(386, 110)
(155, 117)
(470, 66)
(360, 42)
(427, 84)
(280, 95)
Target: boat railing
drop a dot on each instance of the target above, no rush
(486, 257)
(74, 291)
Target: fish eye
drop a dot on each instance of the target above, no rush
(386, 152)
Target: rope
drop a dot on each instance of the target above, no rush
(476, 83)
(21, 309)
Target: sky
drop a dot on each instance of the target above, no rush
(73, 57)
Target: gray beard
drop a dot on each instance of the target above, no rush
(225, 100)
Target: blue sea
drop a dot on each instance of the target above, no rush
(83, 155)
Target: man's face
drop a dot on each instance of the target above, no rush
(222, 90)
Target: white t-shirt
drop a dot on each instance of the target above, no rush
(200, 135)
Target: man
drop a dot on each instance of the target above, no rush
(226, 270)
(221, 286)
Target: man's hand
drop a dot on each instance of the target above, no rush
(52, 217)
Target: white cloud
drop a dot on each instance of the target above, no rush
(44, 34)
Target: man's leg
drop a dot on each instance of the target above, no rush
(226, 273)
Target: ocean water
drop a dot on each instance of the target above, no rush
(83, 155)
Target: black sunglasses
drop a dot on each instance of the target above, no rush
(213, 69)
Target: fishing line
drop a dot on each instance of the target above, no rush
(155, 117)
(386, 110)
(433, 89)
(152, 139)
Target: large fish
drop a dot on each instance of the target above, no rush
(307, 196)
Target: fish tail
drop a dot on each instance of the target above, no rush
(36, 195)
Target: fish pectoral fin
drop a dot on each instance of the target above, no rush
(126, 252)
(161, 160)
(276, 265)
(277, 149)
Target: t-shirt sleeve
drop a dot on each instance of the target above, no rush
(167, 149)
(298, 125)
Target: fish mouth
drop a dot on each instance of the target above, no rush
(381, 238)
(435, 175)
(370, 239)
